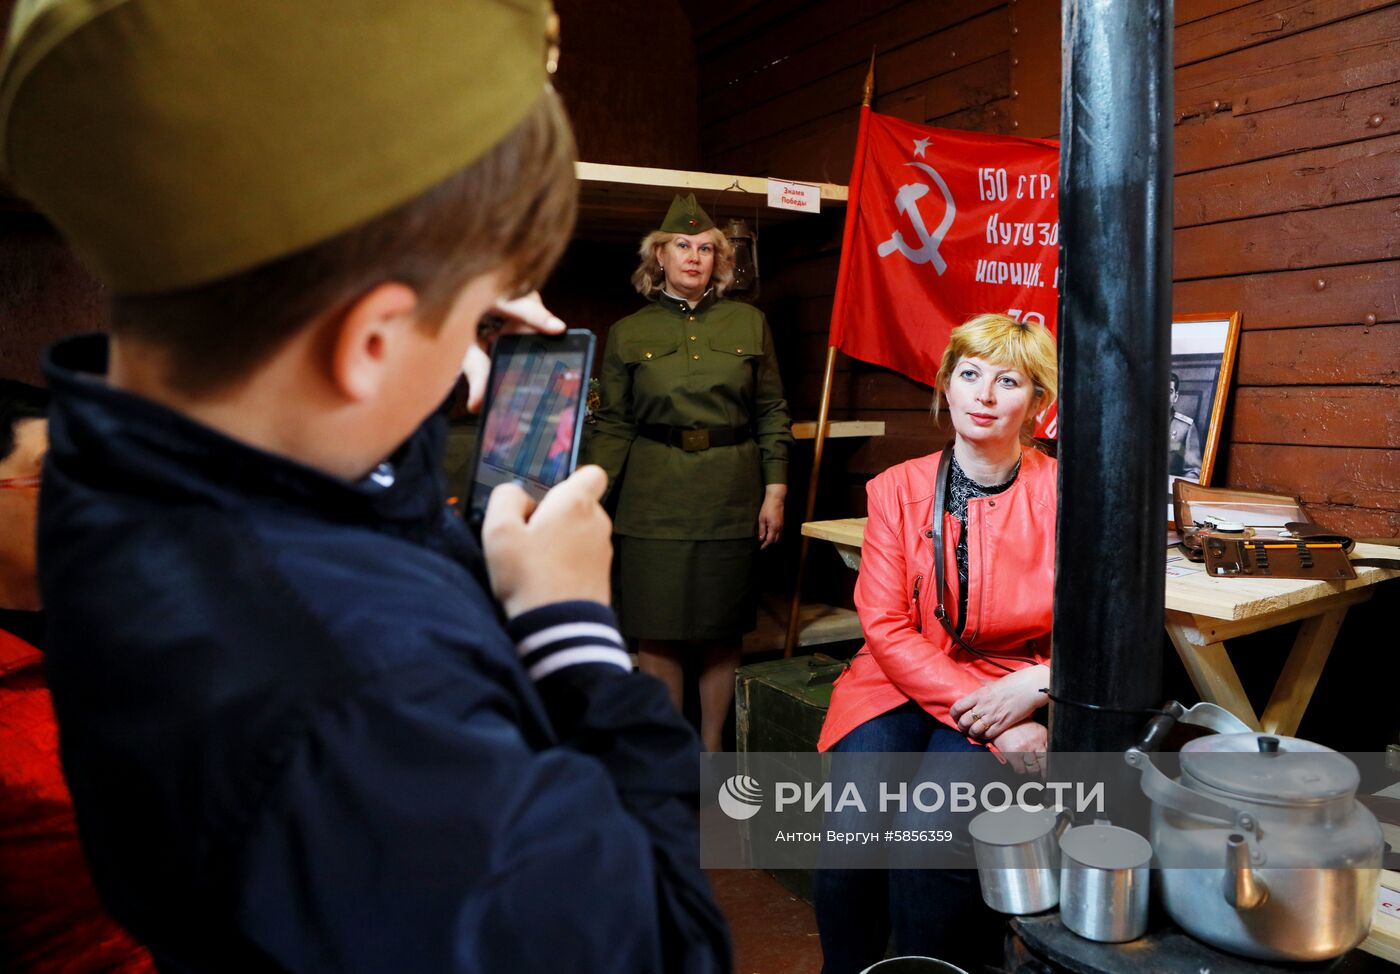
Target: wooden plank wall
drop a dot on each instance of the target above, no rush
(627, 76)
(780, 90)
(1287, 207)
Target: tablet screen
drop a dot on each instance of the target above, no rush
(532, 417)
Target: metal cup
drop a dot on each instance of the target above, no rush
(1104, 876)
(1017, 862)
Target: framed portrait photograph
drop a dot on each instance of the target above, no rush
(1203, 358)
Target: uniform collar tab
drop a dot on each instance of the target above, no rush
(680, 305)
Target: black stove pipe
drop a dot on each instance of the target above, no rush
(1115, 350)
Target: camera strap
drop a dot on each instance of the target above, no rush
(940, 500)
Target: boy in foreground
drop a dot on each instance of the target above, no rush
(307, 726)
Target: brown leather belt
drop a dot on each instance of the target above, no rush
(693, 440)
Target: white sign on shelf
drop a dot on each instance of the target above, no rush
(803, 197)
(1388, 901)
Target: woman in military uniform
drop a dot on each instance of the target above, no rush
(693, 431)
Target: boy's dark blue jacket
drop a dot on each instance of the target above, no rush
(298, 733)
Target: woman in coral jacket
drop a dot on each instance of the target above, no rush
(915, 686)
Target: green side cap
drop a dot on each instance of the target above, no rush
(176, 142)
(686, 216)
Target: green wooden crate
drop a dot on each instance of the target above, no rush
(780, 706)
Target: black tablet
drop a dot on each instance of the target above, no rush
(533, 414)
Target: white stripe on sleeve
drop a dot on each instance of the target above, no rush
(568, 630)
(577, 655)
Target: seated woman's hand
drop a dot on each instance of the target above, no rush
(997, 706)
(1022, 747)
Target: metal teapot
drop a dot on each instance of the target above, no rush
(1261, 846)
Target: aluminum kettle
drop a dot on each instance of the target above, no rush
(1261, 846)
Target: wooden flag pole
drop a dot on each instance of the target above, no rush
(795, 611)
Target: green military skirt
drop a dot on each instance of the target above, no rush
(665, 589)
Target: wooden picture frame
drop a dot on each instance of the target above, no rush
(1202, 363)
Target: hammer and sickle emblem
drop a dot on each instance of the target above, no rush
(907, 202)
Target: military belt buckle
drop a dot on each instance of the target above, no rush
(693, 440)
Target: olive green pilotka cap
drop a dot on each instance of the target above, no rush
(175, 142)
(685, 216)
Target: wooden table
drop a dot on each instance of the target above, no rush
(1203, 612)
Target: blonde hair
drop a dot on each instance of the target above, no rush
(1002, 340)
(649, 278)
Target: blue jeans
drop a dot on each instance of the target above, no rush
(932, 912)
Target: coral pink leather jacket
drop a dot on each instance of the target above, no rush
(907, 654)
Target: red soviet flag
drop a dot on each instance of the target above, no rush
(942, 225)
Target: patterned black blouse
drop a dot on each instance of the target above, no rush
(962, 488)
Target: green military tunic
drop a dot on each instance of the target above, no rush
(1183, 448)
(709, 367)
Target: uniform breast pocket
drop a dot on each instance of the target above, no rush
(735, 357)
(739, 343)
(654, 369)
(646, 353)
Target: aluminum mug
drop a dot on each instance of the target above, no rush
(1017, 860)
(1104, 877)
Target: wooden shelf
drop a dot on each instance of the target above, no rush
(817, 625)
(622, 201)
(846, 427)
